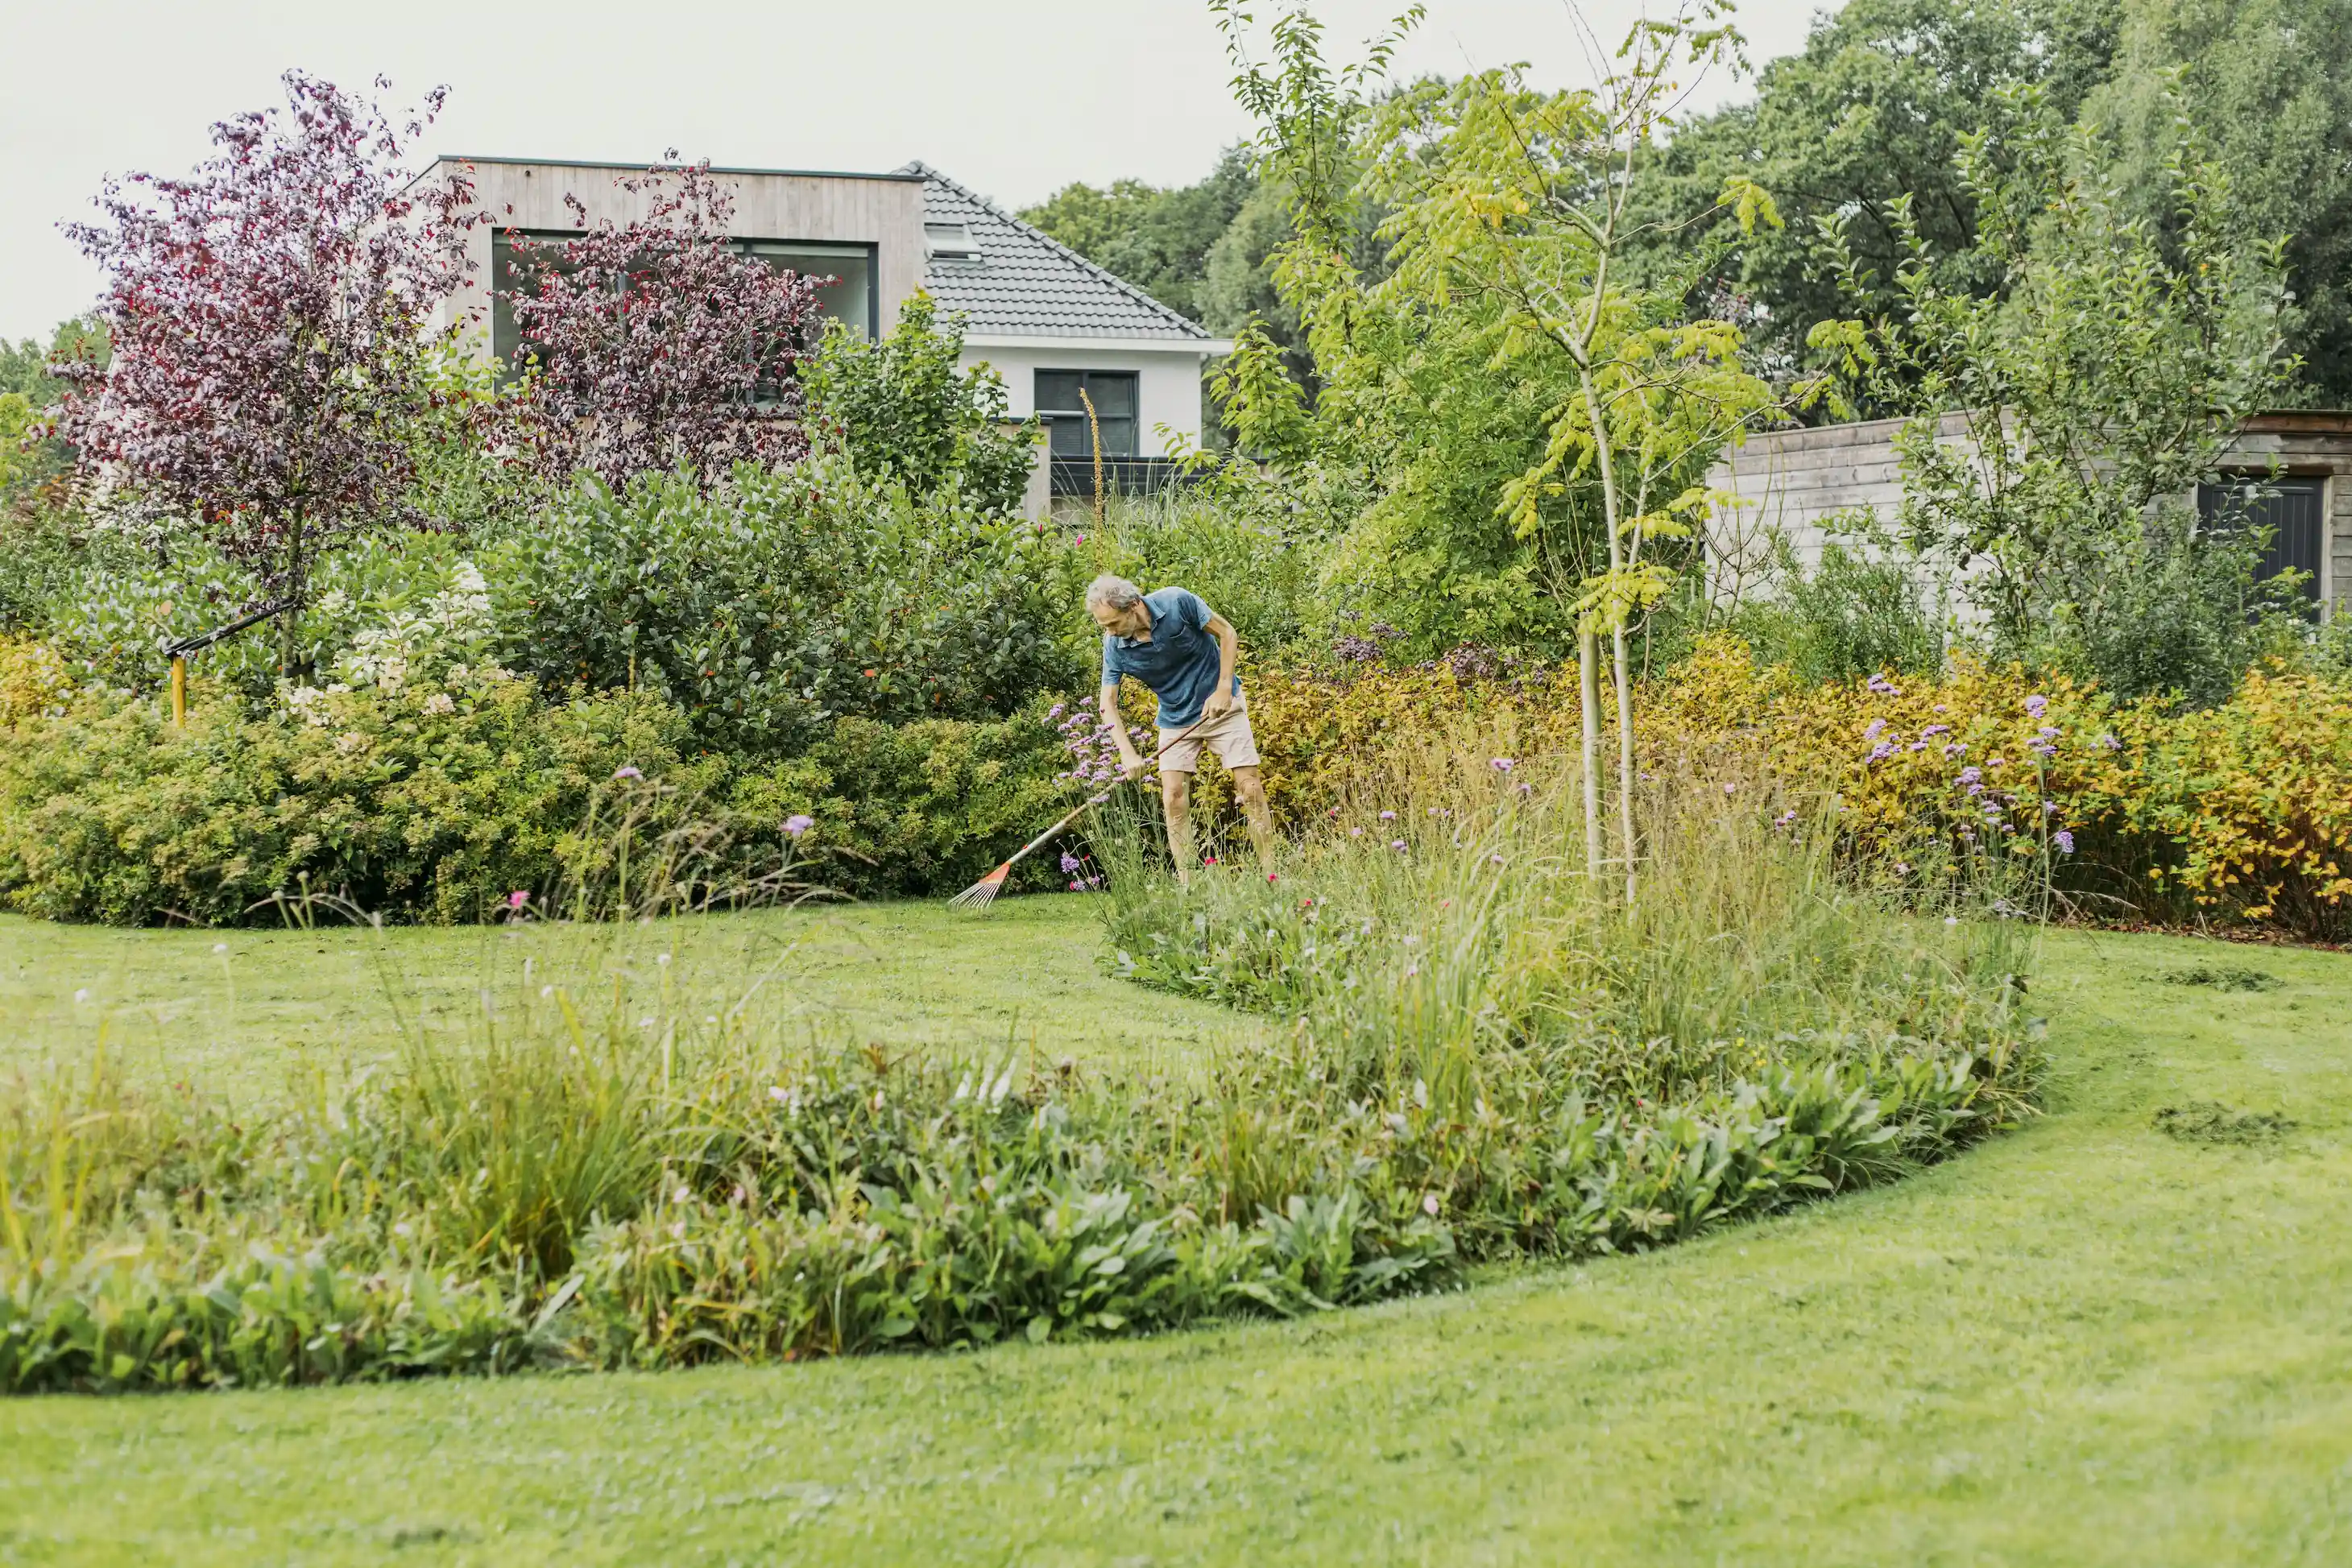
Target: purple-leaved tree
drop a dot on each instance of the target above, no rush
(272, 317)
(654, 345)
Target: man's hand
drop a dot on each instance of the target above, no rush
(1219, 704)
(1132, 766)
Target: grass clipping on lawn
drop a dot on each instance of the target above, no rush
(1489, 1059)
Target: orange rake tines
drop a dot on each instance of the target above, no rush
(979, 894)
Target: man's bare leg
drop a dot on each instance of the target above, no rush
(1251, 789)
(1176, 799)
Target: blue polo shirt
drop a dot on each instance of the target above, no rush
(1180, 661)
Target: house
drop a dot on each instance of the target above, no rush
(1051, 323)
(2290, 470)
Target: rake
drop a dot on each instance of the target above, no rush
(980, 894)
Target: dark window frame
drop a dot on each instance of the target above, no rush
(506, 337)
(1056, 418)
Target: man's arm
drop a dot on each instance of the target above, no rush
(1108, 700)
(1229, 654)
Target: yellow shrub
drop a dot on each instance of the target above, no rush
(2245, 810)
(33, 680)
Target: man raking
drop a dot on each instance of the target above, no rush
(1185, 653)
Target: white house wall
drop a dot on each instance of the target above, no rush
(1168, 383)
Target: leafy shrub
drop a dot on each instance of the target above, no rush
(419, 802)
(785, 599)
(1234, 542)
(917, 809)
(1848, 619)
(116, 609)
(905, 407)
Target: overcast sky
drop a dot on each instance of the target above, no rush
(1016, 97)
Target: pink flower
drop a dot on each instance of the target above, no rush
(1388, 816)
(517, 899)
(627, 770)
(1503, 764)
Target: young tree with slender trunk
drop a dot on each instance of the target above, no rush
(272, 318)
(1510, 218)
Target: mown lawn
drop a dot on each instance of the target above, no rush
(238, 1010)
(2090, 1342)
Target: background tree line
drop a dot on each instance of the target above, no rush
(1875, 106)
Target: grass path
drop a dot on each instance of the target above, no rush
(902, 974)
(2086, 1342)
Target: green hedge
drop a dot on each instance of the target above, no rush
(433, 804)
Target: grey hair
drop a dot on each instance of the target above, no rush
(1112, 592)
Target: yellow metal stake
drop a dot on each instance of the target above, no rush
(179, 691)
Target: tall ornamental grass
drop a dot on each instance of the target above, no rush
(1480, 1059)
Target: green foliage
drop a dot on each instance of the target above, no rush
(1874, 109)
(1252, 548)
(577, 1184)
(786, 598)
(417, 803)
(903, 406)
(2269, 88)
(2053, 432)
(1161, 240)
(113, 606)
(1854, 615)
(917, 809)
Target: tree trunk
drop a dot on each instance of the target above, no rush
(1625, 756)
(1588, 673)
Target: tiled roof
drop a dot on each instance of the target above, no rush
(1024, 284)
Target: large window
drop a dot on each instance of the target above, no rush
(2293, 510)
(849, 297)
(1065, 412)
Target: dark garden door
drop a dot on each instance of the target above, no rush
(2293, 510)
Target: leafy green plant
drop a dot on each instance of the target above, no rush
(905, 405)
(785, 598)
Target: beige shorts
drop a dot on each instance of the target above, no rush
(1228, 736)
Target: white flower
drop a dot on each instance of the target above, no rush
(440, 702)
(81, 996)
(350, 741)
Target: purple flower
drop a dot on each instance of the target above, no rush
(1871, 732)
(2064, 840)
(1935, 729)
(1969, 775)
(1785, 818)
(2035, 704)
(1503, 764)
(2111, 743)
(1354, 833)
(1885, 687)
(627, 770)
(1881, 752)
(1955, 748)
(796, 824)
(1070, 864)
(1054, 712)
(1388, 816)
(1396, 843)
